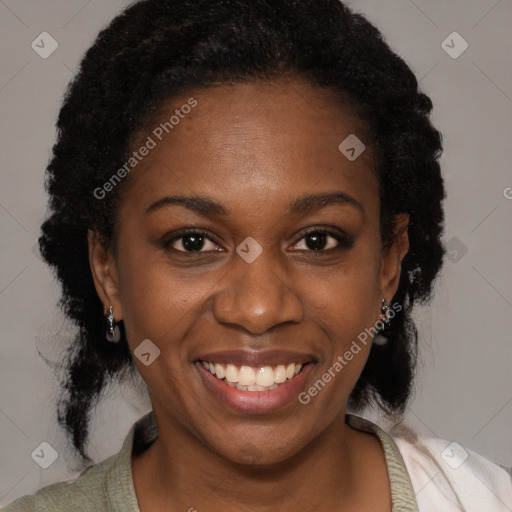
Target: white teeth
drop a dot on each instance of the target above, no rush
(219, 371)
(280, 374)
(246, 378)
(231, 373)
(265, 376)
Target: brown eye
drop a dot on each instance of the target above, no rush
(191, 241)
(322, 240)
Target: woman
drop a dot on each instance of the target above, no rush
(249, 193)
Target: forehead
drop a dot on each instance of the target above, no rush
(252, 141)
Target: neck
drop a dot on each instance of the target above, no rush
(328, 471)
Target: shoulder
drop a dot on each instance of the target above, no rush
(87, 492)
(24, 504)
(447, 475)
(107, 485)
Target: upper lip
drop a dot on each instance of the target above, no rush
(256, 358)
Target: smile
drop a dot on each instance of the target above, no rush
(254, 382)
(248, 378)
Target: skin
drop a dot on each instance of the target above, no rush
(254, 148)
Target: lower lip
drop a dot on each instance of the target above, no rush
(254, 402)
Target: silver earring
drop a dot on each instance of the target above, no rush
(385, 309)
(381, 338)
(113, 333)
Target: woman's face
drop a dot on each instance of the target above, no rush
(271, 277)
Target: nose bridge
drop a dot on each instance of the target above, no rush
(257, 295)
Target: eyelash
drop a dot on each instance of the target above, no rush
(345, 241)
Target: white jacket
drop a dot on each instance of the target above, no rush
(449, 478)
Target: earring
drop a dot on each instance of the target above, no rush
(385, 309)
(383, 324)
(113, 333)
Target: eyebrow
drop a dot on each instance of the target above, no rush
(299, 206)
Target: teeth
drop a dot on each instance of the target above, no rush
(246, 378)
(219, 371)
(280, 374)
(265, 376)
(231, 373)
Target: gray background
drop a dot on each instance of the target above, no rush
(464, 390)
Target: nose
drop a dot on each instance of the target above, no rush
(257, 296)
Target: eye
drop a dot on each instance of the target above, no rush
(318, 240)
(324, 240)
(191, 241)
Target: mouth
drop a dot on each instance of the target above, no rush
(248, 378)
(252, 382)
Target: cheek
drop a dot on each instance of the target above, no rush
(161, 306)
(158, 304)
(345, 304)
(345, 299)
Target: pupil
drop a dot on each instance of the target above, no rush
(193, 242)
(318, 241)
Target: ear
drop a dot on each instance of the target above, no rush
(105, 275)
(392, 258)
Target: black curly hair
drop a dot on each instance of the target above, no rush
(157, 49)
